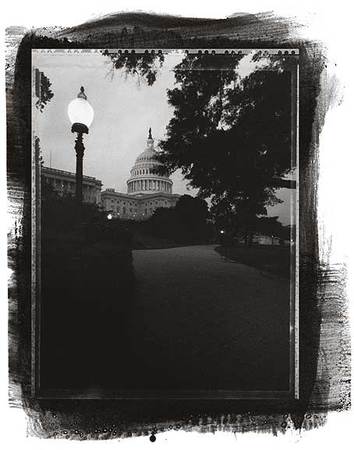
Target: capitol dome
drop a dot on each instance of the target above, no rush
(142, 179)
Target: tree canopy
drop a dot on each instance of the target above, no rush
(43, 91)
(143, 65)
(230, 135)
(185, 223)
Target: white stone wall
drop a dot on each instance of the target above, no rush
(138, 207)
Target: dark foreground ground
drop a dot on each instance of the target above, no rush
(200, 321)
(197, 320)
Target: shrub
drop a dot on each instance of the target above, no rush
(87, 291)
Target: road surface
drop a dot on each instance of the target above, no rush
(200, 321)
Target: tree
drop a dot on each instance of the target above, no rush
(269, 226)
(192, 210)
(143, 65)
(186, 223)
(44, 94)
(230, 135)
(43, 91)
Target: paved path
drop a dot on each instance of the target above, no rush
(202, 321)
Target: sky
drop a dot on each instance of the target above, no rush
(125, 107)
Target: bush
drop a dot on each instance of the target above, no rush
(87, 291)
(186, 223)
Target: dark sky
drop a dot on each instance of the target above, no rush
(125, 107)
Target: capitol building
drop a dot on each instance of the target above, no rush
(146, 190)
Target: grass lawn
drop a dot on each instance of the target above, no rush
(273, 259)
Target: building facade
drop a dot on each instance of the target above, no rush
(146, 190)
(64, 183)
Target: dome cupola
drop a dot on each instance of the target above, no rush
(143, 179)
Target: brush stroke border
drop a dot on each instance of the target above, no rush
(324, 337)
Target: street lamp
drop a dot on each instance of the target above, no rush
(81, 114)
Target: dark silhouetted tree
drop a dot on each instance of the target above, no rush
(143, 65)
(186, 223)
(230, 135)
(44, 93)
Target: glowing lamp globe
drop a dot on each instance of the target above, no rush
(80, 113)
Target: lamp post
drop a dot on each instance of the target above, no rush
(81, 114)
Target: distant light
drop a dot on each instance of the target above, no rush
(222, 231)
(109, 216)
